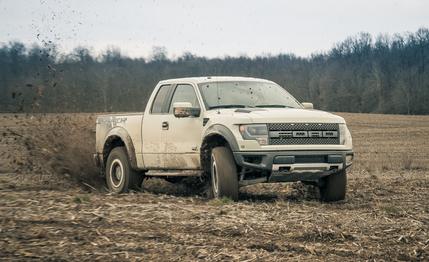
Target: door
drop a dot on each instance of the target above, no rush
(154, 125)
(183, 136)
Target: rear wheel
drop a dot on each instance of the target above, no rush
(223, 171)
(120, 177)
(333, 187)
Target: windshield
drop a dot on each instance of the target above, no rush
(236, 94)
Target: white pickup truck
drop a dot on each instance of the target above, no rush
(230, 132)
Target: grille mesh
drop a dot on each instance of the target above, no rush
(304, 140)
(303, 127)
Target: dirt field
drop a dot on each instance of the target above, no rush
(53, 207)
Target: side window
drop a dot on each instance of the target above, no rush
(160, 98)
(184, 93)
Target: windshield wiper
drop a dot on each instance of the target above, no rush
(228, 106)
(278, 106)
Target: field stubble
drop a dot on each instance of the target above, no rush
(52, 206)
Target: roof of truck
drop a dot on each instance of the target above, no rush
(206, 79)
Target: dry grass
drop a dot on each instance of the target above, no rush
(44, 215)
(389, 142)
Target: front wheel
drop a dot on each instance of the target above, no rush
(120, 177)
(333, 187)
(223, 171)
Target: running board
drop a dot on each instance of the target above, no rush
(174, 173)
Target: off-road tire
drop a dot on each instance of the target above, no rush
(333, 187)
(223, 173)
(127, 179)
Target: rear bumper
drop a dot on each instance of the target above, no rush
(288, 166)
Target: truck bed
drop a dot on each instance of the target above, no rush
(128, 126)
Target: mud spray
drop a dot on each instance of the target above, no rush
(55, 147)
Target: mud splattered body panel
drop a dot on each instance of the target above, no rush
(125, 126)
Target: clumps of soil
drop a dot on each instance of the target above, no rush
(53, 148)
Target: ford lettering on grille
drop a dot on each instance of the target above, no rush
(303, 133)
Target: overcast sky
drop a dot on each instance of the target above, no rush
(206, 27)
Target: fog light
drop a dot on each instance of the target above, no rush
(252, 159)
(349, 159)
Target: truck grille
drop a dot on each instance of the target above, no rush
(304, 134)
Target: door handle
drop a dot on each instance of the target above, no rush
(165, 125)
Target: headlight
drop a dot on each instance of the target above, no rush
(345, 136)
(258, 132)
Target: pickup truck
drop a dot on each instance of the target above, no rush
(228, 131)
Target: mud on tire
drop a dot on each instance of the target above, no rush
(120, 177)
(223, 172)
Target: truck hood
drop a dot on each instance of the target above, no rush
(275, 115)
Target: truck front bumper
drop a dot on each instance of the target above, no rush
(288, 166)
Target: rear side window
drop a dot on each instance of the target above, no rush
(158, 104)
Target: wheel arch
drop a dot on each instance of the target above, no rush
(119, 137)
(216, 135)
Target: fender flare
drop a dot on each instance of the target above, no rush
(119, 132)
(218, 129)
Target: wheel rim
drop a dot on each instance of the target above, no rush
(116, 173)
(215, 181)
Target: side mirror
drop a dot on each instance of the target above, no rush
(307, 105)
(185, 109)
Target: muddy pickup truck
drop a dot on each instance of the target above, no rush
(229, 132)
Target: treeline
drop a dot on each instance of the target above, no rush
(383, 74)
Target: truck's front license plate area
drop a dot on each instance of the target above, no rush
(309, 167)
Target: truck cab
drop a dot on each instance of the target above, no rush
(228, 131)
